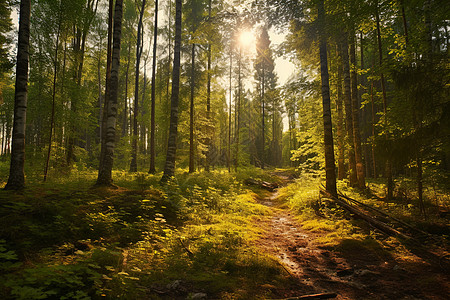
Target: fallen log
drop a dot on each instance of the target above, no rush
(262, 184)
(375, 223)
(314, 296)
(383, 213)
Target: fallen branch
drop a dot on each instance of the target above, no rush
(383, 213)
(314, 296)
(375, 223)
(262, 184)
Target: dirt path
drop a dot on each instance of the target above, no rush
(355, 275)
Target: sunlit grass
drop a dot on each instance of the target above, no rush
(198, 229)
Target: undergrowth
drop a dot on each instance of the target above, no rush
(67, 240)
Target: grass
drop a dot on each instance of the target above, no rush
(337, 230)
(65, 239)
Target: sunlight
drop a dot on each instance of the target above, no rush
(247, 38)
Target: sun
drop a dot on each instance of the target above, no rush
(246, 38)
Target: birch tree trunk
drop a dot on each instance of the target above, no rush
(16, 179)
(106, 162)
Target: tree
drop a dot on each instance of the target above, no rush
(16, 179)
(152, 125)
(109, 135)
(139, 49)
(264, 65)
(327, 125)
(169, 167)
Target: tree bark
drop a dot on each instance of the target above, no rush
(327, 124)
(139, 48)
(16, 179)
(52, 115)
(349, 114)
(208, 98)
(169, 167)
(355, 116)
(390, 181)
(191, 114)
(340, 120)
(229, 111)
(152, 121)
(106, 162)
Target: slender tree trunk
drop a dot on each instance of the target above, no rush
(52, 116)
(152, 121)
(169, 168)
(107, 87)
(420, 183)
(405, 24)
(139, 48)
(374, 162)
(340, 121)
(263, 116)
(229, 111)
(237, 112)
(349, 114)
(125, 108)
(327, 124)
(208, 98)
(191, 115)
(355, 116)
(390, 181)
(16, 179)
(105, 168)
(98, 130)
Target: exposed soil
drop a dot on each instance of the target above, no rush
(353, 272)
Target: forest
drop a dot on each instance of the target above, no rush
(224, 149)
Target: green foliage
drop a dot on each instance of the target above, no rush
(82, 242)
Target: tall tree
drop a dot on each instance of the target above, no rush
(330, 171)
(109, 135)
(355, 115)
(139, 49)
(16, 179)
(348, 112)
(169, 167)
(152, 121)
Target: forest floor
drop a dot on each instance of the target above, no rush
(352, 270)
(211, 235)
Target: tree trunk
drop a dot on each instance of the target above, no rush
(152, 121)
(340, 121)
(349, 114)
(327, 124)
(107, 85)
(125, 108)
(106, 162)
(52, 116)
(263, 122)
(191, 114)
(208, 98)
(355, 116)
(229, 111)
(374, 162)
(390, 181)
(237, 111)
(16, 179)
(169, 168)
(139, 48)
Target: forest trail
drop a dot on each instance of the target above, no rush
(351, 275)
